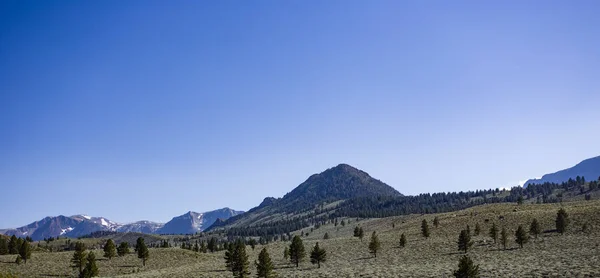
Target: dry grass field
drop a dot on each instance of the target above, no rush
(574, 254)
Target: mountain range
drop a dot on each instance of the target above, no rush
(589, 168)
(336, 192)
(80, 225)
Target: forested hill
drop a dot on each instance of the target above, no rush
(341, 182)
(297, 210)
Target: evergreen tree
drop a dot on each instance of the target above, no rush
(123, 249)
(494, 232)
(25, 251)
(468, 229)
(521, 236)
(504, 237)
(436, 222)
(356, 231)
(424, 228)
(402, 240)
(212, 245)
(477, 229)
(90, 270)
(252, 243)
(297, 252)
(375, 244)
(203, 247)
(109, 249)
(239, 260)
(142, 250)
(464, 241)
(79, 257)
(534, 228)
(196, 247)
(3, 246)
(229, 256)
(264, 266)
(13, 247)
(361, 233)
(286, 253)
(326, 236)
(318, 255)
(562, 221)
(466, 268)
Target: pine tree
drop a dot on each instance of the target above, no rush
(468, 229)
(123, 249)
(239, 260)
(356, 231)
(494, 232)
(534, 228)
(375, 244)
(436, 222)
(424, 228)
(402, 240)
(142, 250)
(3, 246)
(286, 253)
(361, 233)
(562, 221)
(79, 257)
(229, 256)
(318, 255)
(504, 237)
(90, 270)
(466, 268)
(252, 243)
(297, 252)
(464, 241)
(109, 249)
(521, 236)
(25, 251)
(326, 236)
(264, 266)
(477, 229)
(203, 248)
(13, 247)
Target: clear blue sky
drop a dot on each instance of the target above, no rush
(138, 110)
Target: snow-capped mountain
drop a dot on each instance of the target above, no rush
(81, 224)
(193, 222)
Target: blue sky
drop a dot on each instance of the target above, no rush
(138, 110)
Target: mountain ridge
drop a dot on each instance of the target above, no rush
(81, 224)
(588, 168)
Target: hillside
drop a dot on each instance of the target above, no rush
(589, 168)
(322, 191)
(551, 255)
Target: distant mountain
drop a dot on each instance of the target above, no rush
(338, 183)
(145, 227)
(81, 225)
(589, 168)
(193, 222)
